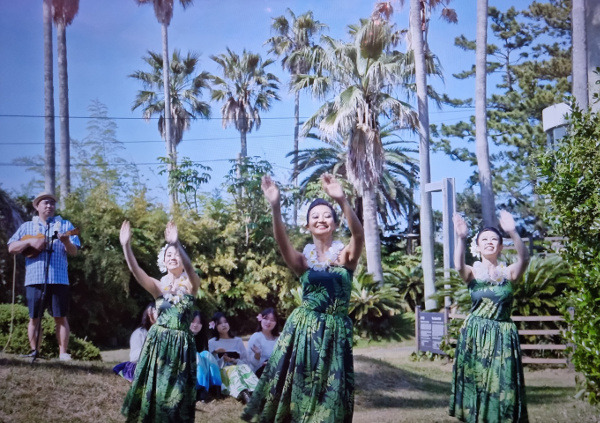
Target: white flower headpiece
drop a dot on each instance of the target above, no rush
(474, 248)
(161, 259)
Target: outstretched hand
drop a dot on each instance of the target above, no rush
(270, 190)
(332, 187)
(460, 226)
(125, 234)
(171, 234)
(507, 222)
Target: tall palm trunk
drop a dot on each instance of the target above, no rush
(488, 206)
(580, 65)
(168, 120)
(49, 149)
(63, 101)
(244, 144)
(426, 214)
(296, 132)
(372, 240)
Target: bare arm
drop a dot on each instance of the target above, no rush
(172, 237)
(294, 259)
(69, 246)
(148, 283)
(351, 253)
(508, 225)
(460, 229)
(17, 247)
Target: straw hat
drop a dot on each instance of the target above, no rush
(41, 196)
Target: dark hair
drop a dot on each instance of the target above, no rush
(265, 313)
(146, 322)
(489, 229)
(200, 338)
(321, 202)
(216, 317)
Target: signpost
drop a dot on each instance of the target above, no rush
(430, 330)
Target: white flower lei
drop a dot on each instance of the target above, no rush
(55, 228)
(499, 275)
(167, 287)
(310, 252)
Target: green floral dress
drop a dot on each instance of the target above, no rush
(164, 385)
(310, 375)
(487, 382)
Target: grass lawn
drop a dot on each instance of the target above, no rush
(390, 388)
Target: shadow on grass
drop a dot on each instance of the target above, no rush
(544, 395)
(71, 366)
(383, 385)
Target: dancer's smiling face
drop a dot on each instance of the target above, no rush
(490, 244)
(172, 258)
(321, 220)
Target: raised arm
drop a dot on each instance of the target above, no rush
(148, 283)
(294, 259)
(507, 222)
(352, 251)
(460, 229)
(172, 237)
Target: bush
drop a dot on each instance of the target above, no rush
(19, 341)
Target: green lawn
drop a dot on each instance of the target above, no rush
(390, 388)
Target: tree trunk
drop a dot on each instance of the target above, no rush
(244, 145)
(168, 120)
(296, 132)
(49, 149)
(488, 206)
(426, 214)
(63, 101)
(580, 64)
(372, 240)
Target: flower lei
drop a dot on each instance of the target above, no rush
(500, 273)
(310, 252)
(55, 228)
(180, 291)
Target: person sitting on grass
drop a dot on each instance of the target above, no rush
(238, 378)
(262, 342)
(208, 381)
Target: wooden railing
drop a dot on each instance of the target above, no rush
(535, 332)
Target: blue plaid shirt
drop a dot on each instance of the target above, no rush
(35, 267)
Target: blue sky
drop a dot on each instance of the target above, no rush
(107, 41)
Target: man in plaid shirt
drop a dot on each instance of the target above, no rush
(57, 290)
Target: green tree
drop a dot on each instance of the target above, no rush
(363, 75)
(529, 57)
(293, 43)
(246, 89)
(186, 87)
(570, 181)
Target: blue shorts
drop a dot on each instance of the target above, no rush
(57, 299)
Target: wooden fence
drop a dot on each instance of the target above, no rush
(535, 332)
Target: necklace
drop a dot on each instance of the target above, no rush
(181, 287)
(497, 276)
(331, 255)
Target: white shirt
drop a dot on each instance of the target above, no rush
(136, 342)
(266, 349)
(234, 344)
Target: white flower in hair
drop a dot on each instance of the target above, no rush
(301, 221)
(474, 248)
(161, 259)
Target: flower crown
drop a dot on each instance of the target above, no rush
(161, 259)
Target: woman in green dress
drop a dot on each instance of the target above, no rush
(487, 383)
(310, 375)
(164, 384)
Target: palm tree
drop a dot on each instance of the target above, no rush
(163, 9)
(420, 49)
(293, 41)
(579, 55)
(394, 193)
(246, 89)
(185, 91)
(49, 149)
(64, 12)
(363, 73)
(488, 206)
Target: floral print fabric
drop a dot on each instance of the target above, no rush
(164, 385)
(310, 375)
(487, 383)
